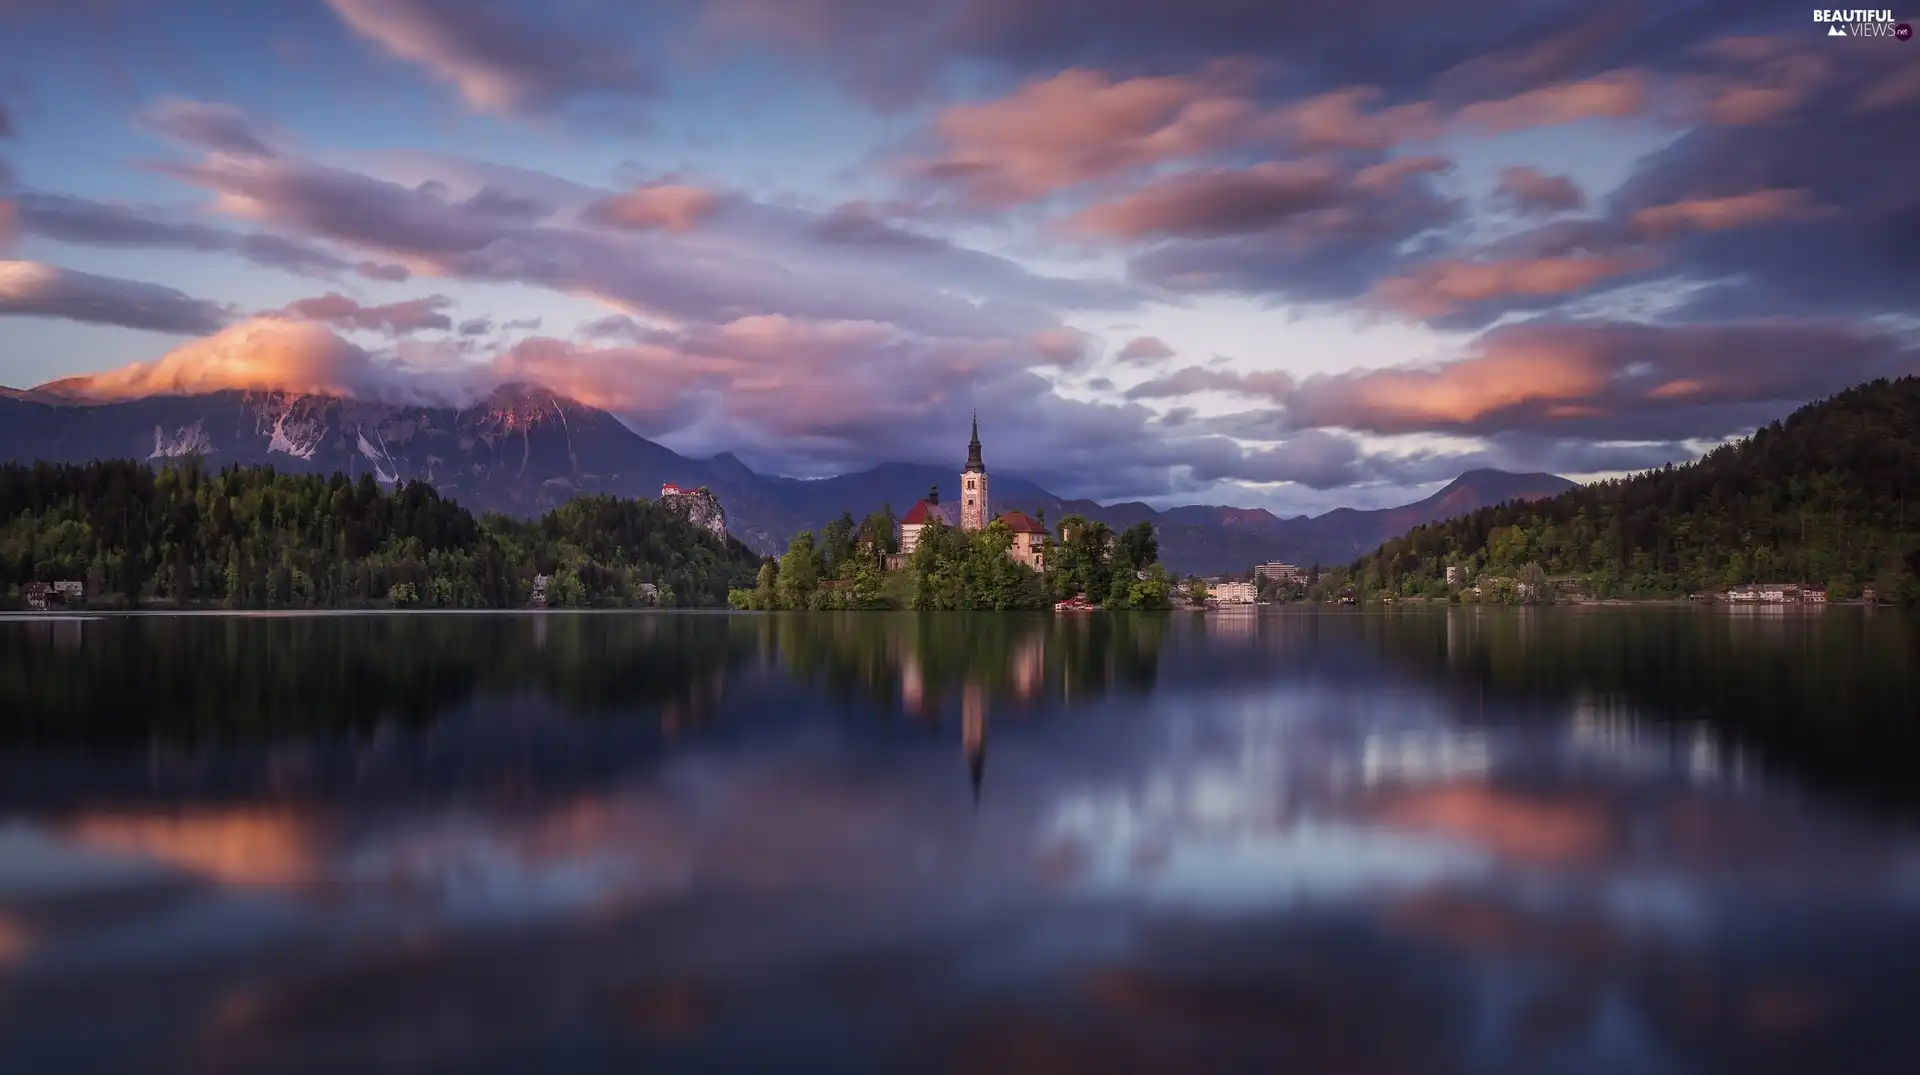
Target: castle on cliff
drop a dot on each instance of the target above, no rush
(1029, 537)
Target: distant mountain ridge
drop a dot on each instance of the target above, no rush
(523, 449)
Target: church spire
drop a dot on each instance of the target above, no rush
(973, 446)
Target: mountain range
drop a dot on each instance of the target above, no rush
(523, 449)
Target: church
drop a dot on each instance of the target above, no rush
(972, 513)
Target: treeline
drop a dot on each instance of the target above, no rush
(952, 569)
(250, 537)
(1830, 496)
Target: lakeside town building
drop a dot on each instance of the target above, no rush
(1276, 571)
(1776, 593)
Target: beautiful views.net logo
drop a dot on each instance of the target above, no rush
(1862, 23)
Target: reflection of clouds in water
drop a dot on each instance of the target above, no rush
(1527, 829)
(242, 846)
(1615, 731)
(1242, 809)
(14, 940)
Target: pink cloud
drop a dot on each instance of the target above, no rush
(1528, 190)
(1441, 287)
(1734, 211)
(1082, 125)
(666, 206)
(1339, 120)
(1627, 381)
(1144, 350)
(1614, 95)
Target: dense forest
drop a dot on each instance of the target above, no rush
(1828, 497)
(952, 569)
(249, 537)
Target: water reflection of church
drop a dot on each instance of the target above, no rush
(927, 669)
(1025, 671)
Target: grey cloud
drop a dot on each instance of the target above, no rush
(30, 289)
(620, 326)
(476, 326)
(1854, 250)
(1191, 380)
(492, 201)
(500, 60)
(394, 318)
(218, 127)
(747, 263)
(89, 223)
(374, 270)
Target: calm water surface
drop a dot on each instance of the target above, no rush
(1549, 841)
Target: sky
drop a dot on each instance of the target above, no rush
(1282, 254)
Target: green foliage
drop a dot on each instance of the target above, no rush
(249, 537)
(961, 569)
(1081, 561)
(1830, 495)
(1139, 546)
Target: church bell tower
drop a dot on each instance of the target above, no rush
(973, 485)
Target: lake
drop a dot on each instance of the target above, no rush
(1552, 840)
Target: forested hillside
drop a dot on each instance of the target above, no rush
(249, 537)
(1830, 496)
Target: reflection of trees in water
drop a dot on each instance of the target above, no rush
(923, 661)
(191, 678)
(1833, 695)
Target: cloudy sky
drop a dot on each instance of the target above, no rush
(1282, 254)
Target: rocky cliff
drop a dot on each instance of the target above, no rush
(701, 508)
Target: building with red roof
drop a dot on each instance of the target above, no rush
(1029, 539)
(1029, 536)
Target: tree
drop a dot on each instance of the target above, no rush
(799, 572)
(1533, 582)
(1139, 545)
(764, 595)
(1152, 592)
(837, 544)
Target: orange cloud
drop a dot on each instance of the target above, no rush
(260, 355)
(1441, 287)
(665, 206)
(1722, 214)
(1476, 387)
(9, 225)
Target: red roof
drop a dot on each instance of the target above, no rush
(919, 514)
(1018, 522)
